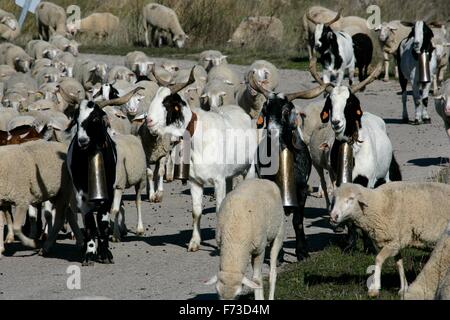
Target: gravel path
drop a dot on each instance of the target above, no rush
(157, 265)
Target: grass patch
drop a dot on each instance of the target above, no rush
(332, 275)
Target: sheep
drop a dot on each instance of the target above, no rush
(247, 98)
(9, 27)
(48, 74)
(15, 57)
(442, 53)
(390, 35)
(211, 58)
(225, 73)
(35, 172)
(73, 88)
(395, 215)
(64, 44)
(118, 120)
(192, 92)
(38, 49)
(39, 64)
(100, 24)
(51, 124)
(20, 89)
(131, 170)
(65, 62)
(50, 19)
(216, 94)
(6, 72)
(158, 18)
(121, 73)
(250, 218)
(89, 72)
(139, 62)
(427, 283)
(254, 31)
(6, 114)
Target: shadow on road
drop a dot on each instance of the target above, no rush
(425, 162)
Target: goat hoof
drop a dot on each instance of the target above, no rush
(115, 239)
(301, 255)
(9, 239)
(374, 293)
(427, 120)
(88, 259)
(417, 122)
(193, 247)
(386, 79)
(405, 120)
(139, 231)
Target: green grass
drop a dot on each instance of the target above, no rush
(332, 275)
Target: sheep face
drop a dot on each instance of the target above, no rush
(23, 64)
(101, 71)
(344, 110)
(385, 31)
(347, 204)
(132, 105)
(9, 22)
(229, 285)
(179, 40)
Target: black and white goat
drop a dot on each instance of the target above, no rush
(336, 51)
(279, 118)
(372, 149)
(222, 145)
(91, 136)
(418, 41)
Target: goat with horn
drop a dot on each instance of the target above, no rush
(92, 140)
(278, 116)
(336, 51)
(374, 161)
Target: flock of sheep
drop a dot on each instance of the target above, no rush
(44, 92)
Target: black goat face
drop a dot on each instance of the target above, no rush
(323, 37)
(92, 124)
(278, 114)
(174, 109)
(422, 35)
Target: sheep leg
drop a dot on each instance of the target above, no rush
(197, 195)
(386, 66)
(169, 167)
(72, 219)
(140, 226)
(257, 262)
(60, 217)
(151, 185)
(115, 214)
(375, 286)
(220, 188)
(50, 216)
(274, 251)
(160, 177)
(9, 223)
(323, 185)
(401, 272)
(20, 215)
(2, 227)
(33, 214)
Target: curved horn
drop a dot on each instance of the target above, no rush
(308, 16)
(315, 75)
(174, 88)
(307, 94)
(255, 85)
(338, 16)
(68, 97)
(119, 101)
(407, 23)
(375, 73)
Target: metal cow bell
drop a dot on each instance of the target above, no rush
(285, 179)
(97, 190)
(345, 164)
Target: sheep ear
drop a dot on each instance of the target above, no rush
(392, 28)
(250, 284)
(211, 281)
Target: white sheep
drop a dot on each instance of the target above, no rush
(139, 63)
(257, 31)
(50, 19)
(118, 120)
(9, 27)
(158, 18)
(89, 72)
(64, 44)
(100, 24)
(15, 57)
(442, 105)
(38, 49)
(6, 72)
(121, 73)
(65, 62)
(395, 215)
(211, 58)
(266, 74)
(249, 219)
(47, 74)
(390, 34)
(192, 92)
(35, 172)
(427, 283)
(217, 93)
(39, 64)
(130, 172)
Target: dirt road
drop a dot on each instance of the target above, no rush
(158, 266)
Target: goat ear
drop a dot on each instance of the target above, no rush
(260, 121)
(356, 108)
(325, 114)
